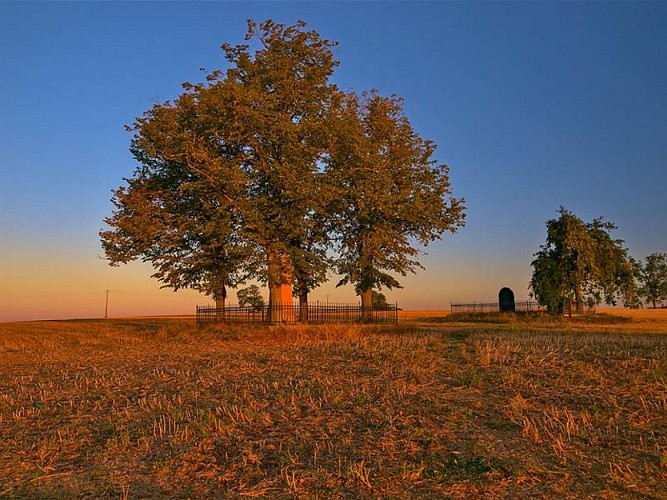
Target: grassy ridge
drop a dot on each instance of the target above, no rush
(154, 408)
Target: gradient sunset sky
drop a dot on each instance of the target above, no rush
(533, 106)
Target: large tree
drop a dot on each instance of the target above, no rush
(653, 278)
(228, 170)
(187, 234)
(265, 169)
(581, 264)
(389, 193)
(282, 97)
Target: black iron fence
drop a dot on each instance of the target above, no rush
(317, 313)
(487, 307)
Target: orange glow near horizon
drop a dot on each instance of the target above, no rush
(64, 287)
(70, 287)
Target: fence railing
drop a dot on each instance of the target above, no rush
(291, 313)
(487, 307)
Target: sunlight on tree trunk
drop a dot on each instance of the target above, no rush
(367, 305)
(280, 288)
(220, 296)
(579, 300)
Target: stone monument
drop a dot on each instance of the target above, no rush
(506, 300)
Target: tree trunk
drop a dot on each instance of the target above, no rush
(569, 307)
(303, 306)
(275, 303)
(220, 296)
(579, 300)
(280, 289)
(367, 305)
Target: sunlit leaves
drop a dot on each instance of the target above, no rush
(653, 278)
(581, 264)
(389, 192)
(268, 171)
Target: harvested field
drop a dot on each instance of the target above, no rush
(410, 315)
(147, 408)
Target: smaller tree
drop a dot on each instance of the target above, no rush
(653, 279)
(581, 265)
(379, 300)
(250, 297)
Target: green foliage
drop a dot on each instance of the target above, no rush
(389, 192)
(266, 169)
(653, 278)
(226, 177)
(250, 297)
(580, 263)
(379, 300)
(164, 217)
(278, 103)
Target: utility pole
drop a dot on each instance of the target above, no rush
(106, 306)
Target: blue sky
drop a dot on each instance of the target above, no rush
(533, 106)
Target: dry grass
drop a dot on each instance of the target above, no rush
(415, 314)
(159, 408)
(606, 320)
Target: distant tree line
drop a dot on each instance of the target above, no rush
(581, 265)
(268, 171)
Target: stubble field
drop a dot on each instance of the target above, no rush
(435, 407)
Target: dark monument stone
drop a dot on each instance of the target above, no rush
(506, 300)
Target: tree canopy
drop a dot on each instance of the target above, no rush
(581, 264)
(379, 300)
(388, 193)
(250, 297)
(268, 171)
(653, 278)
